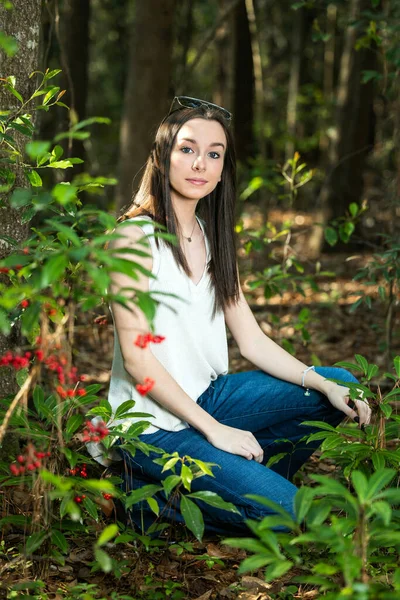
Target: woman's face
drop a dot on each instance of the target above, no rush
(197, 159)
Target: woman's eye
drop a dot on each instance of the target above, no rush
(216, 154)
(184, 148)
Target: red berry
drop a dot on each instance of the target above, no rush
(30, 467)
(39, 355)
(21, 458)
(78, 499)
(14, 469)
(81, 392)
(24, 303)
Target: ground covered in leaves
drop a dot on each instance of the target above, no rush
(183, 567)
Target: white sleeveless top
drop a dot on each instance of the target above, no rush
(195, 349)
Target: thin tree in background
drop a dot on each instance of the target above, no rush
(353, 135)
(147, 90)
(73, 29)
(244, 86)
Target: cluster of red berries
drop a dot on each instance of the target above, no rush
(146, 386)
(79, 499)
(30, 460)
(17, 361)
(95, 433)
(107, 496)
(79, 471)
(143, 340)
(8, 269)
(101, 320)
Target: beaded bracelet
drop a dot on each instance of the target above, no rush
(312, 368)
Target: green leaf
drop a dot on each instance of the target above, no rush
(153, 504)
(8, 44)
(53, 269)
(276, 458)
(362, 362)
(170, 464)
(34, 178)
(123, 409)
(378, 460)
(21, 376)
(141, 494)
(37, 149)
(252, 563)
(214, 500)
(34, 541)
(277, 569)
(67, 231)
(302, 502)
(331, 235)
(353, 208)
(204, 467)
(396, 363)
(59, 540)
(91, 507)
(186, 476)
(360, 485)
(170, 483)
(107, 534)
(379, 480)
(192, 516)
(20, 197)
(73, 423)
(13, 91)
(103, 559)
(383, 510)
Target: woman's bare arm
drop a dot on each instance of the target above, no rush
(268, 356)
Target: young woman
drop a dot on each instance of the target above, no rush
(232, 420)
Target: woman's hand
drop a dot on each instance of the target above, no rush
(338, 396)
(235, 441)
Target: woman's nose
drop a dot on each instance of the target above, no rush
(198, 164)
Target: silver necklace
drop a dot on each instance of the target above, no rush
(189, 239)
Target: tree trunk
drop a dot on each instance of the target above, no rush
(147, 91)
(74, 54)
(244, 86)
(224, 45)
(23, 23)
(294, 81)
(354, 123)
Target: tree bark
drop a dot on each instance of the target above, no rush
(243, 109)
(23, 23)
(147, 91)
(74, 54)
(224, 45)
(354, 129)
(294, 81)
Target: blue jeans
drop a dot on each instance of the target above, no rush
(273, 411)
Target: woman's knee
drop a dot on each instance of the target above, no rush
(338, 373)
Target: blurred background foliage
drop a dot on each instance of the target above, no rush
(316, 77)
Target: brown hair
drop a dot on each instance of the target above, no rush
(217, 209)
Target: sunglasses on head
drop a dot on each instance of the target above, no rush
(188, 102)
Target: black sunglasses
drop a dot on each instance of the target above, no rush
(188, 102)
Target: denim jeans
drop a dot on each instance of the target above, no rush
(273, 411)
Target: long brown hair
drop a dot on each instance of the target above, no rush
(217, 209)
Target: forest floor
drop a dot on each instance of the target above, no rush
(209, 571)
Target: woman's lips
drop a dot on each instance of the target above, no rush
(197, 181)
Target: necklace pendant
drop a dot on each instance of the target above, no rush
(307, 392)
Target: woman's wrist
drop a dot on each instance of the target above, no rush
(315, 381)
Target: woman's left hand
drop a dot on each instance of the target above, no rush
(338, 396)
